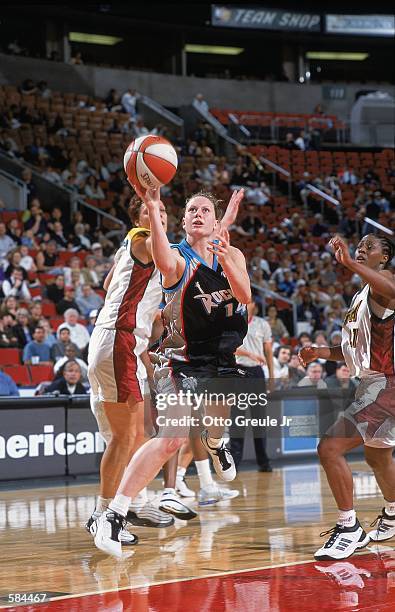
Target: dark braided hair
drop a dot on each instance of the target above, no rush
(388, 248)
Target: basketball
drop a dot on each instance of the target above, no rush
(150, 161)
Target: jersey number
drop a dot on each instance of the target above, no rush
(230, 309)
(353, 337)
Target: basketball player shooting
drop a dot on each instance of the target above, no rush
(368, 349)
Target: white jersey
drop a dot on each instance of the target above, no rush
(134, 293)
(259, 331)
(368, 337)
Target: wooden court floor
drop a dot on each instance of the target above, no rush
(252, 553)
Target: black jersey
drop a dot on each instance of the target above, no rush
(203, 320)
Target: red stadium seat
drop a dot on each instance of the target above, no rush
(10, 356)
(40, 373)
(56, 322)
(19, 373)
(48, 309)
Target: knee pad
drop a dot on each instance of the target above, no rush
(101, 419)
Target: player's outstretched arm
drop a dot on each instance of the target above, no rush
(311, 353)
(381, 282)
(167, 260)
(233, 264)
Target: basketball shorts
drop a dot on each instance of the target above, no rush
(115, 369)
(373, 410)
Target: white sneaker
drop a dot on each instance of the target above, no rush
(385, 527)
(108, 531)
(127, 538)
(214, 494)
(170, 503)
(182, 488)
(222, 458)
(343, 542)
(345, 574)
(149, 516)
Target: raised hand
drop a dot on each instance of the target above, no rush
(341, 251)
(232, 209)
(150, 197)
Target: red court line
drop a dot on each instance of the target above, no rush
(365, 583)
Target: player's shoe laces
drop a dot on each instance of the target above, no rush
(345, 574)
(108, 531)
(149, 516)
(127, 538)
(182, 488)
(385, 527)
(222, 458)
(343, 542)
(170, 503)
(214, 493)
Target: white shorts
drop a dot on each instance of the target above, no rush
(115, 369)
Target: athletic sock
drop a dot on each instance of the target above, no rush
(120, 504)
(214, 442)
(102, 504)
(181, 471)
(347, 518)
(204, 473)
(390, 508)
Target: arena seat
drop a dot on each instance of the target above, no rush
(48, 309)
(40, 373)
(19, 373)
(10, 356)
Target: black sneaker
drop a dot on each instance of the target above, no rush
(109, 529)
(149, 516)
(343, 542)
(127, 538)
(222, 458)
(385, 527)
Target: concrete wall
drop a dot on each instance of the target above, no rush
(173, 90)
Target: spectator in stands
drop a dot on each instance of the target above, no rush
(307, 311)
(74, 266)
(93, 190)
(50, 339)
(50, 174)
(8, 338)
(114, 165)
(381, 201)
(47, 256)
(89, 272)
(300, 141)
(258, 194)
(8, 387)
(27, 178)
(55, 291)
(57, 234)
(113, 101)
(92, 320)
(29, 240)
(81, 241)
(288, 284)
(34, 220)
(27, 261)
(139, 129)
(77, 59)
(319, 228)
(129, 101)
(36, 313)
(28, 88)
(282, 356)
(14, 230)
(313, 378)
(16, 286)
(102, 262)
(68, 301)
(14, 259)
(63, 339)
(277, 326)
(304, 339)
(251, 225)
(295, 370)
(78, 333)
(348, 176)
(88, 300)
(9, 305)
(43, 89)
(23, 329)
(289, 141)
(70, 381)
(37, 351)
(71, 353)
(341, 379)
(200, 103)
(6, 243)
